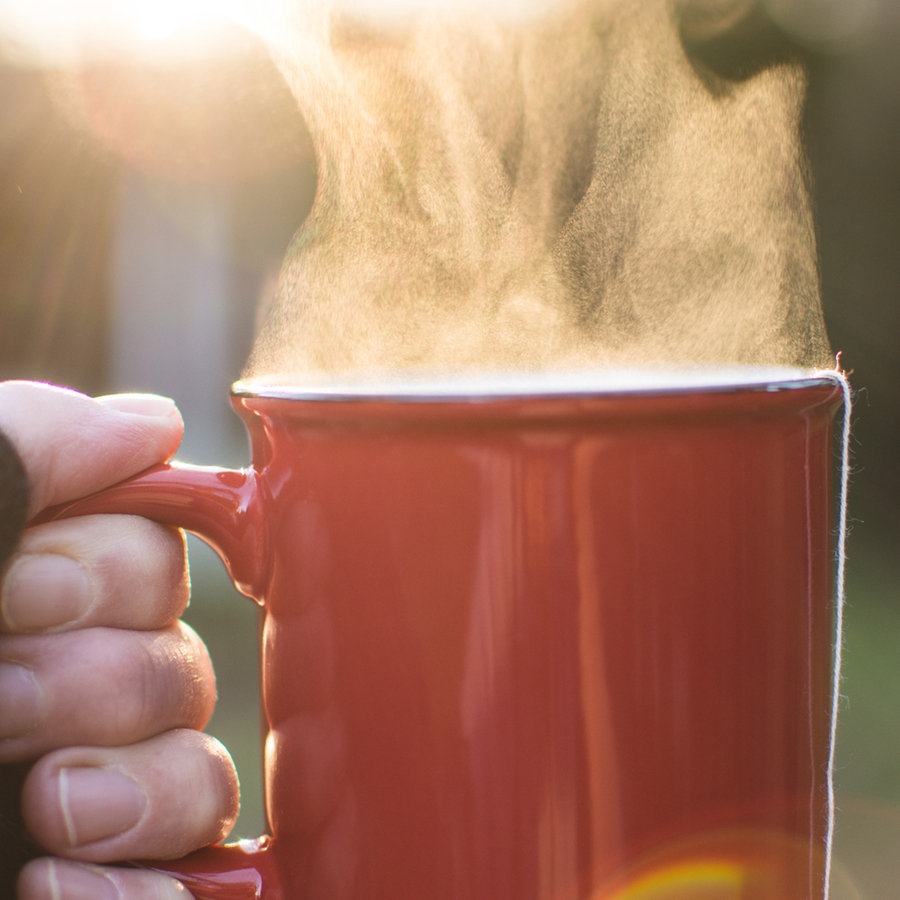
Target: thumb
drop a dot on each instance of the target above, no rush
(72, 445)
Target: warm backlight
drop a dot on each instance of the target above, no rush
(59, 31)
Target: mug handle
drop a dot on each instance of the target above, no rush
(224, 508)
(220, 506)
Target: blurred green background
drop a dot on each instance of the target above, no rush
(178, 189)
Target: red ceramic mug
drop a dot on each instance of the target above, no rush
(545, 640)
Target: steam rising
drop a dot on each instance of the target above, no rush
(585, 186)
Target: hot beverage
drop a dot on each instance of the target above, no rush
(550, 639)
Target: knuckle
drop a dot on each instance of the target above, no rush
(189, 778)
(152, 558)
(108, 687)
(170, 683)
(199, 688)
(137, 684)
(137, 568)
(221, 787)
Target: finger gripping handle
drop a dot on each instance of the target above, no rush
(221, 506)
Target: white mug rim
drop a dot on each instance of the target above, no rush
(479, 386)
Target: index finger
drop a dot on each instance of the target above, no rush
(72, 445)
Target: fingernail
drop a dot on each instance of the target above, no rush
(79, 882)
(97, 804)
(44, 590)
(151, 405)
(21, 701)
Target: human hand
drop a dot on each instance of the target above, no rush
(102, 688)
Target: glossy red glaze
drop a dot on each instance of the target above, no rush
(536, 648)
(217, 504)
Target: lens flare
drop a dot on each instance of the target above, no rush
(726, 864)
(699, 879)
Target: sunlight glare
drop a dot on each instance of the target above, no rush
(163, 19)
(61, 31)
(64, 31)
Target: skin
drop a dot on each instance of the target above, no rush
(90, 609)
